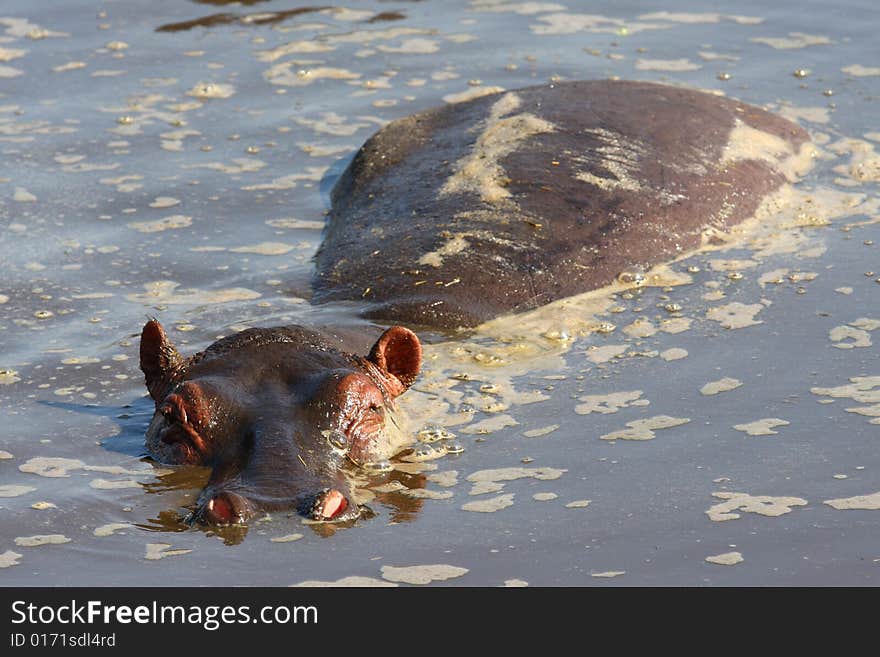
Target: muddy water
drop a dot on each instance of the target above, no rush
(718, 427)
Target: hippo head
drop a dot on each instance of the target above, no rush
(277, 414)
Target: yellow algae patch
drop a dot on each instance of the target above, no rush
(5, 455)
(578, 504)
(164, 202)
(762, 427)
(319, 150)
(644, 429)
(284, 75)
(793, 40)
(721, 385)
(521, 8)
(511, 474)
(166, 292)
(157, 551)
(866, 502)
(748, 143)
(605, 353)
(239, 165)
(864, 163)
(445, 479)
(422, 574)
(69, 66)
(671, 65)
(861, 389)
(158, 225)
(675, 325)
(291, 48)
(352, 581)
(489, 505)
(774, 277)
(42, 506)
(541, 431)
(110, 528)
(23, 196)
(618, 155)
(290, 222)
(264, 248)
(204, 90)
(113, 484)
(861, 71)
(456, 244)
(416, 46)
(609, 573)
(426, 494)
(641, 328)
(720, 264)
(8, 54)
(515, 583)
(41, 539)
(480, 171)
(859, 337)
(12, 490)
(764, 505)
(8, 377)
(9, 72)
(289, 181)
(565, 23)
(735, 315)
(331, 123)
(289, 538)
(495, 423)
(470, 94)
(51, 466)
(726, 559)
(702, 17)
(808, 114)
(610, 403)
(9, 558)
(675, 353)
(544, 497)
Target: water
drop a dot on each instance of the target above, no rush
(157, 162)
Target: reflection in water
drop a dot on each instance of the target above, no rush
(262, 18)
(191, 479)
(222, 3)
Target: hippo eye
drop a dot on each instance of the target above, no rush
(375, 408)
(337, 440)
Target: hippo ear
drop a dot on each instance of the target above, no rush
(160, 360)
(398, 352)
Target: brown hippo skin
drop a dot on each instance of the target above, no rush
(504, 203)
(277, 413)
(449, 218)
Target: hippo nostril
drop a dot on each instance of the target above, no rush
(333, 504)
(225, 509)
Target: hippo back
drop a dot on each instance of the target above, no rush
(462, 213)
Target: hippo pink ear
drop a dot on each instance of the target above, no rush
(398, 352)
(160, 360)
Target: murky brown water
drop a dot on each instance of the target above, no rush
(174, 160)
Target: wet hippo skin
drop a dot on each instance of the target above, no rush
(446, 219)
(462, 213)
(277, 414)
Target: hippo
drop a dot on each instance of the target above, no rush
(446, 219)
(277, 413)
(456, 215)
